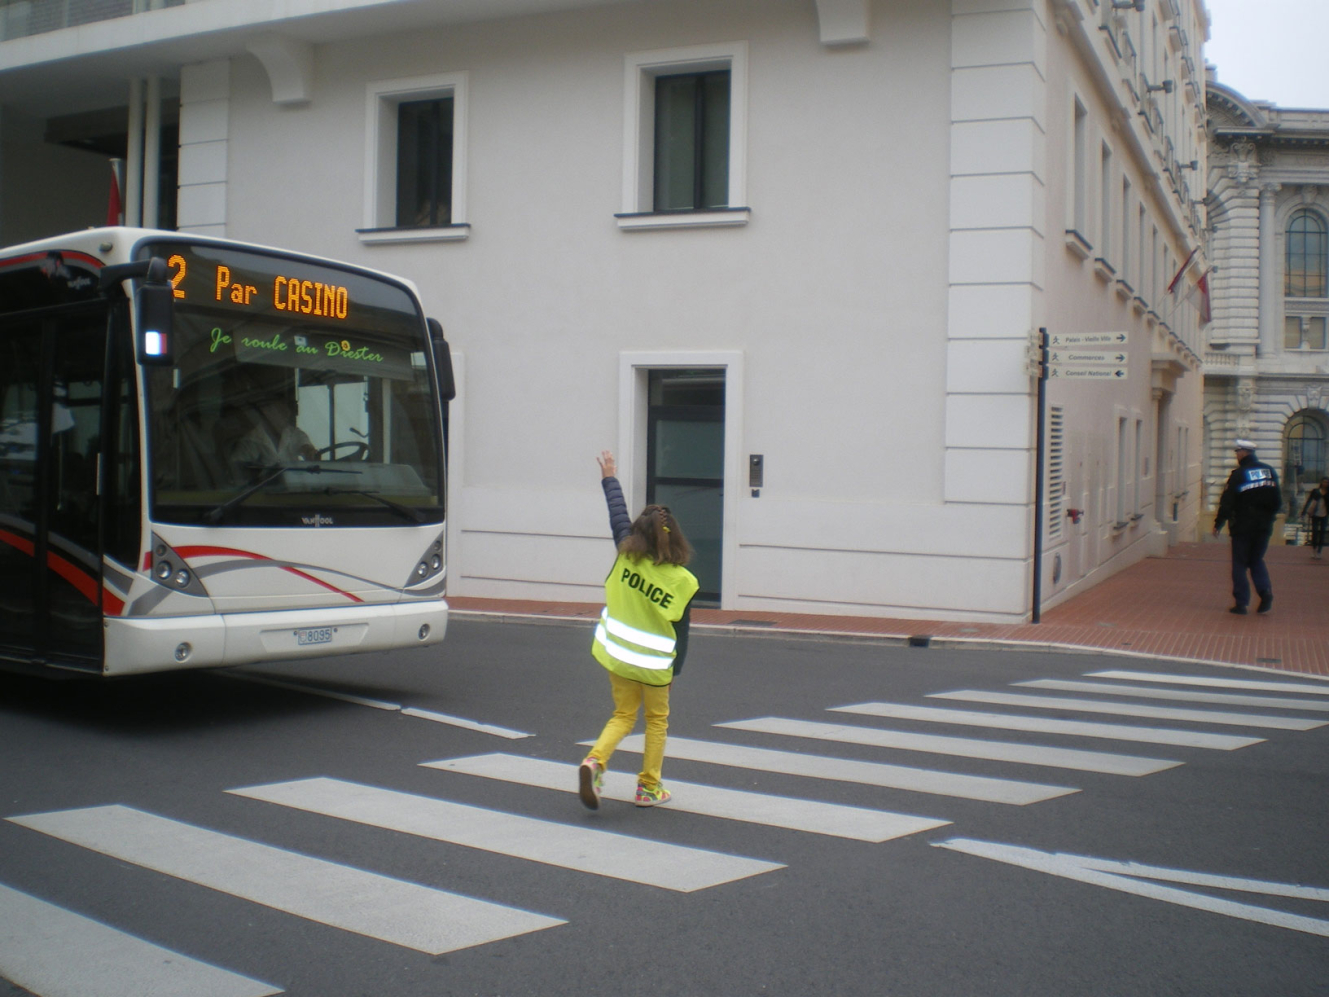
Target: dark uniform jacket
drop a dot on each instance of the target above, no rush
(1251, 500)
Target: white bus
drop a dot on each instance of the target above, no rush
(214, 453)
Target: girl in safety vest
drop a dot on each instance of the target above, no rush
(642, 635)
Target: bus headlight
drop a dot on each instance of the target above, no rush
(424, 630)
(182, 578)
(183, 651)
(165, 569)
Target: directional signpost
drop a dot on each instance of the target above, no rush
(1062, 356)
(1105, 360)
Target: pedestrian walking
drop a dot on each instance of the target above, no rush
(1316, 510)
(642, 636)
(1248, 506)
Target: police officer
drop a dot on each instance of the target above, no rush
(1249, 504)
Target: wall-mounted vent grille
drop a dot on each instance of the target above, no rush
(1056, 470)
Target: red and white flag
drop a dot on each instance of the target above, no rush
(1172, 287)
(1198, 296)
(113, 206)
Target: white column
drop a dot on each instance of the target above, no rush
(134, 156)
(152, 154)
(1269, 249)
(205, 101)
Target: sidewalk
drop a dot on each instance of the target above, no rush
(1172, 607)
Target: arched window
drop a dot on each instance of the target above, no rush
(1307, 256)
(1304, 456)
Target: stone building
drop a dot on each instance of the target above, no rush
(1266, 363)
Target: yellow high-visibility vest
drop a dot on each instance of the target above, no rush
(635, 637)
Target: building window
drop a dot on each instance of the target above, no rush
(1304, 332)
(685, 138)
(1304, 457)
(1307, 256)
(1105, 214)
(692, 141)
(424, 162)
(1126, 212)
(415, 160)
(1079, 168)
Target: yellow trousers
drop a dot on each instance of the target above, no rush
(629, 697)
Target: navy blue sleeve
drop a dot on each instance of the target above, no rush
(620, 523)
(681, 640)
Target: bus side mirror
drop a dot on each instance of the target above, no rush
(154, 306)
(447, 385)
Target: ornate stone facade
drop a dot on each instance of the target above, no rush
(1267, 357)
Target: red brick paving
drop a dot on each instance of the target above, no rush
(1167, 607)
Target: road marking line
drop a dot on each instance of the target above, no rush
(1048, 725)
(1129, 710)
(968, 787)
(833, 819)
(444, 718)
(377, 704)
(392, 910)
(962, 747)
(312, 690)
(1093, 871)
(1254, 685)
(54, 952)
(602, 853)
(1184, 695)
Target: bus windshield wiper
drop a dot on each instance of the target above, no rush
(403, 510)
(215, 515)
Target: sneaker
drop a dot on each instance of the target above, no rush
(1239, 610)
(1266, 603)
(591, 782)
(651, 797)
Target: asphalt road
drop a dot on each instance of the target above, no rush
(1017, 886)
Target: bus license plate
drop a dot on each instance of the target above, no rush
(316, 635)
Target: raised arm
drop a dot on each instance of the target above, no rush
(620, 523)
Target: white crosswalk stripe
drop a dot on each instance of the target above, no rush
(963, 747)
(1182, 695)
(969, 787)
(813, 816)
(1129, 710)
(621, 856)
(1050, 725)
(54, 952)
(392, 910)
(1252, 685)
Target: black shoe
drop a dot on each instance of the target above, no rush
(1239, 610)
(1266, 603)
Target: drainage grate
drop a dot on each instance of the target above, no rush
(920, 640)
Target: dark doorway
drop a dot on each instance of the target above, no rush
(685, 463)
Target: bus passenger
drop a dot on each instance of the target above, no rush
(642, 636)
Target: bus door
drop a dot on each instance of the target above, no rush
(51, 384)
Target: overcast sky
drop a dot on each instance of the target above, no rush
(1275, 50)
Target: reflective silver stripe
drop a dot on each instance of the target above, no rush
(656, 642)
(651, 661)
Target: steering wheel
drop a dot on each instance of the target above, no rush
(361, 450)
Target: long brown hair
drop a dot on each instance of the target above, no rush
(657, 535)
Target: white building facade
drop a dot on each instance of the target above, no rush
(1267, 359)
(783, 256)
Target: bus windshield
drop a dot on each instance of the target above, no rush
(300, 396)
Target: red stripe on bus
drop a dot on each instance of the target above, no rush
(70, 572)
(75, 575)
(17, 542)
(46, 254)
(112, 603)
(208, 551)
